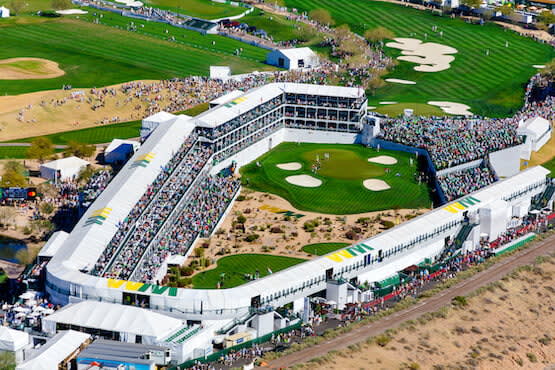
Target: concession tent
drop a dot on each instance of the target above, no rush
(12, 340)
(55, 351)
(62, 169)
(295, 58)
(537, 131)
(128, 321)
(120, 150)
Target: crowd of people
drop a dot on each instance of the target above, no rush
(199, 217)
(453, 141)
(459, 183)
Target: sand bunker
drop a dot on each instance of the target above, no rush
(71, 11)
(452, 108)
(383, 159)
(371, 107)
(540, 66)
(375, 185)
(431, 56)
(29, 69)
(305, 181)
(388, 102)
(291, 166)
(398, 81)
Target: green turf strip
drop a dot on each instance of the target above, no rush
(205, 9)
(491, 85)
(98, 55)
(231, 269)
(342, 191)
(92, 135)
(320, 249)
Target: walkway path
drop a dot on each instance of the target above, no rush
(432, 304)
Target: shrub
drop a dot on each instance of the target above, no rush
(241, 219)
(382, 340)
(387, 224)
(252, 237)
(240, 198)
(188, 271)
(276, 230)
(459, 301)
(532, 357)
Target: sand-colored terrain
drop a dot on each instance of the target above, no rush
(29, 69)
(306, 181)
(431, 56)
(260, 210)
(383, 159)
(452, 108)
(399, 81)
(48, 112)
(388, 102)
(291, 166)
(510, 325)
(375, 185)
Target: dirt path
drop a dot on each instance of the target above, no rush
(432, 304)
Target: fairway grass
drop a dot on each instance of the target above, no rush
(98, 55)
(92, 135)
(492, 85)
(205, 9)
(320, 249)
(235, 267)
(342, 190)
(394, 110)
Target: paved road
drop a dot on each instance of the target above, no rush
(432, 304)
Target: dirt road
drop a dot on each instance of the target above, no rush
(432, 304)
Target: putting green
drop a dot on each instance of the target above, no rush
(342, 176)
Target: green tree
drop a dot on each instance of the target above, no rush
(472, 3)
(7, 216)
(374, 84)
(46, 208)
(61, 4)
(505, 9)
(15, 166)
(16, 6)
(321, 16)
(79, 149)
(40, 148)
(378, 34)
(199, 252)
(11, 178)
(549, 70)
(546, 18)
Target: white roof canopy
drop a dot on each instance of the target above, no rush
(114, 317)
(69, 162)
(12, 340)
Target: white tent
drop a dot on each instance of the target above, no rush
(4, 12)
(150, 123)
(56, 350)
(12, 340)
(220, 72)
(63, 169)
(226, 98)
(52, 245)
(295, 58)
(120, 150)
(537, 131)
(129, 321)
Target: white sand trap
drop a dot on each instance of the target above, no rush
(71, 11)
(540, 66)
(370, 107)
(452, 108)
(388, 102)
(383, 159)
(291, 166)
(375, 185)
(305, 181)
(431, 56)
(398, 81)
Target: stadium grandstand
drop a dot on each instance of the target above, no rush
(180, 184)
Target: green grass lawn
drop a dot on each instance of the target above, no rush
(491, 85)
(205, 9)
(196, 110)
(320, 249)
(393, 110)
(235, 267)
(341, 191)
(98, 55)
(93, 135)
(279, 27)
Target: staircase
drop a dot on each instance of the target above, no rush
(183, 334)
(544, 198)
(461, 237)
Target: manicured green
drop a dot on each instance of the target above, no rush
(550, 165)
(342, 191)
(491, 85)
(205, 9)
(393, 110)
(278, 27)
(320, 249)
(92, 135)
(98, 55)
(235, 267)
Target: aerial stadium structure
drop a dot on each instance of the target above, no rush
(105, 258)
